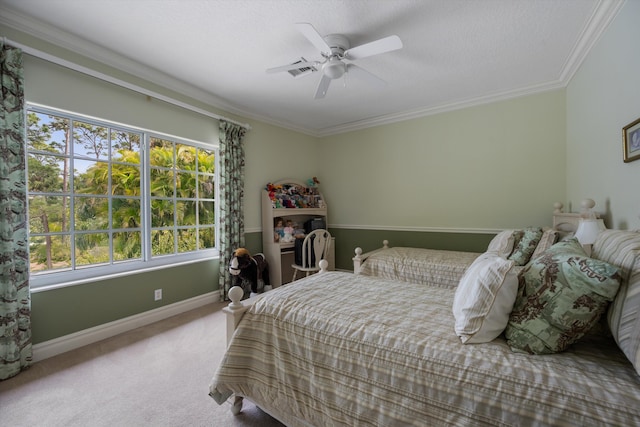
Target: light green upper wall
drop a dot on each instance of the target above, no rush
(602, 98)
(494, 166)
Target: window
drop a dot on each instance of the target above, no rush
(106, 198)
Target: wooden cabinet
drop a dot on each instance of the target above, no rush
(279, 248)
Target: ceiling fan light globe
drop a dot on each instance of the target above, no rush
(334, 69)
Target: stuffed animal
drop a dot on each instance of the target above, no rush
(288, 231)
(251, 273)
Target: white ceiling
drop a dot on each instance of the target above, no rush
(456, 52)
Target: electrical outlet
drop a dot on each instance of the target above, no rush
(157, 295)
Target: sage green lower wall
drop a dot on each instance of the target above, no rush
(348, 239)
(63, 311)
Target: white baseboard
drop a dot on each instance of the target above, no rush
(78, 339)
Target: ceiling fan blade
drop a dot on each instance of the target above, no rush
(313, 36)
(384, 45)
(295, 66)
(322, 87)
(364, 75)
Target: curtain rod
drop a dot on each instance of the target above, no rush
(110, 79)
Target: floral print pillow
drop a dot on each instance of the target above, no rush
(561, 295)
(525, 244)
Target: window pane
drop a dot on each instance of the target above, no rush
(206, 161)
(186, 213)
(126, 213)
(91, 213)
(46, 173)
(162, 184)
(207, 238)
(162, 213)
(207, 213)
(90, 177)
(161, 153)
(187, 240)
(127, 246)
(48, 214)
(90, 141)
(49, 253)
(92, 248)
(185, 157)
(186, 185)
(162, 242)
(125, 147)
(206, 183)
(125, 180)
(47, 133)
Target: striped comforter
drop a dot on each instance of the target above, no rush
(418, 265)
(336, 349)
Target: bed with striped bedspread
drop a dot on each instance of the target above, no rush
(419, 265)
(338, 349)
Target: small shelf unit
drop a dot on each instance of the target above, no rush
(280, 255)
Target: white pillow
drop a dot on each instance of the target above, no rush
(484, 298)
(502, 243)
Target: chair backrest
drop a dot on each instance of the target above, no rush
(315, 247)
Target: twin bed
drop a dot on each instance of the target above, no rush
(342, 349)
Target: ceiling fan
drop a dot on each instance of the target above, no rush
(337, 55)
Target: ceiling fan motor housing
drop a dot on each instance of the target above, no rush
(334, 68)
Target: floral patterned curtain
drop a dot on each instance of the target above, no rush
(231, 198)
(15, 301)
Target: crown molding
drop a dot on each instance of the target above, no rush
(599, 21)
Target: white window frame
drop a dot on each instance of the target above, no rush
(84, 274)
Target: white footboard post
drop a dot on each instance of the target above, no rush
(357, 261)
(234, 312)
(360, 257)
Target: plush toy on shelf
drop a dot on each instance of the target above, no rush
(289, 231)
(278, 230)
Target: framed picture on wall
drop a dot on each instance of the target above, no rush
(631, 141)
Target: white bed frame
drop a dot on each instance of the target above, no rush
(564, 222)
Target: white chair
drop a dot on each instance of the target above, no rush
(315, 247)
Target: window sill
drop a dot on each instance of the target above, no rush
(102, 277)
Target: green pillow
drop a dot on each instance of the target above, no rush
(561, 295)
(525, 244)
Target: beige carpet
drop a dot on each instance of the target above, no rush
(157, 375)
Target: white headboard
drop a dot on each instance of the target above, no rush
(567, 223)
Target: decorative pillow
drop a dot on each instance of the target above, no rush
(622, 248)
(561, 295)
(502, 243)
(484, 298)
(548, 239)
(525, 243)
